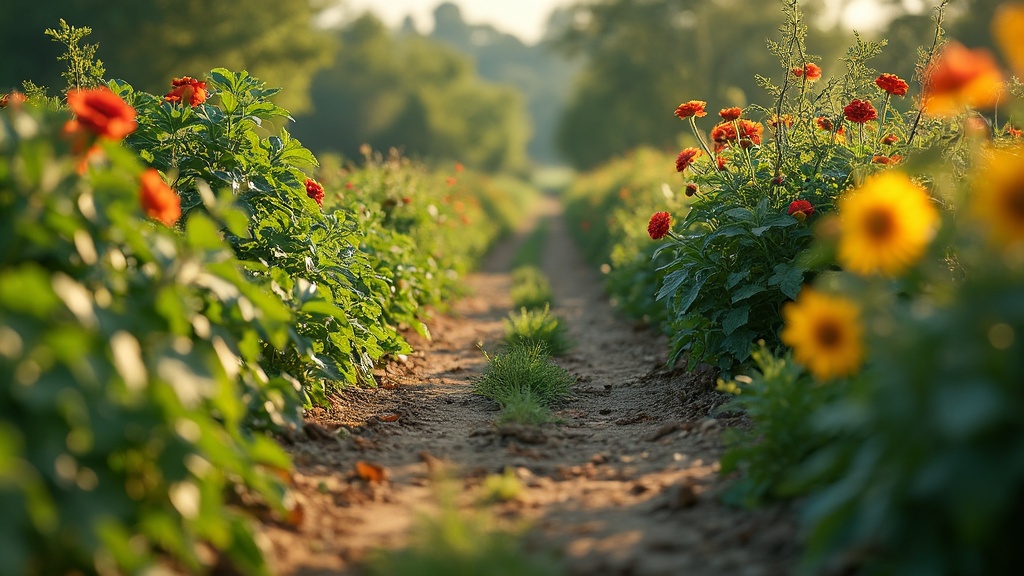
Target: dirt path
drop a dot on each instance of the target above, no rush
(627, 484)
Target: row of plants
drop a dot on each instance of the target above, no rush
(176, 282)
(851, 262)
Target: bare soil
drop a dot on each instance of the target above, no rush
(627, 483)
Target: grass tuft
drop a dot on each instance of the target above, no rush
(530, 288)
(537, 326)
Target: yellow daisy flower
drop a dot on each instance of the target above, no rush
(998, 199)
(825, 333)
(885, 225)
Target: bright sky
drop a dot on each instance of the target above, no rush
(526, 19)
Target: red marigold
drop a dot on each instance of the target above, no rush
(157, 199)
(730, 114)
(1015, 132)
(315, 191)
(860, 111)
(14, 98)
(720, 163)
(892, 84)
(800, 209)
(660, 225)
(691, 189)
(691, 108)
(810, 70)
(890, 139)
(824, 123)
(886, 160)
(102, 112)
(187, 89)
(686, 157)
(723, 133)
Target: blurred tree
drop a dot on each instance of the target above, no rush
(410, 92)
(540, 72)
(647, 56)
(149, 43)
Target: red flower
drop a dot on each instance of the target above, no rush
(187, 89)
(691, 189)
(1015, 132)
(691, 108)
(686, 157)
(890, 139)
(860, 111)
(315, 191)
(886, 160)
(811, 71)
(720, 163)
(730, 114)
(102, 112)
(824, 123)
(723, 133)
(892, 84)
(14, 98)
(157, 199)
(660, 225)
(800, 209)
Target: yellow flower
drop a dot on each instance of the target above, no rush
(825, 333)
(885, 225)
(1006, 28)
(998, 199)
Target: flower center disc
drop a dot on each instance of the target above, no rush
(879, 224)
(828, 334)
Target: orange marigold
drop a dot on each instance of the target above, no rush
(810, 70)
(691, 108)
(892, 84)
(686, 157)
(158, 200)
(187, 89)
(890, 139)
(102, 112)
(960, 77)
(730, 114)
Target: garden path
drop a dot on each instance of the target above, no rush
(628, 483)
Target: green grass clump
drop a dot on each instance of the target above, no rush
(538, 326)
(525, 382)
(530, 288)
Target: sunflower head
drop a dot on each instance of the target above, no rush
(997, 202)
(825, 333)
(886, 225)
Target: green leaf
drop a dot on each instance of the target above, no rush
(734, 319)
(746, 292)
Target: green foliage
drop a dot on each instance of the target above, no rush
(530, 288)
(129, 356)
(608, 209)
(308, 259)
(779, 397)
(537, 326)
(84, 71)
(524, 379)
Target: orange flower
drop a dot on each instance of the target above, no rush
(860, 111)
(960, 77)
(892, 84)
(691, 189)
(890, 139)
(686, 157)
(187, 89)
(751, 131)
(315, 191)
(1006, 26)
(1015, 132)
(158, 200)
(102, 112)
(886, 160)
(824, 123)
(730, 114)
(691, 108)
(458, 167)
(811, 71)
(720, 163)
